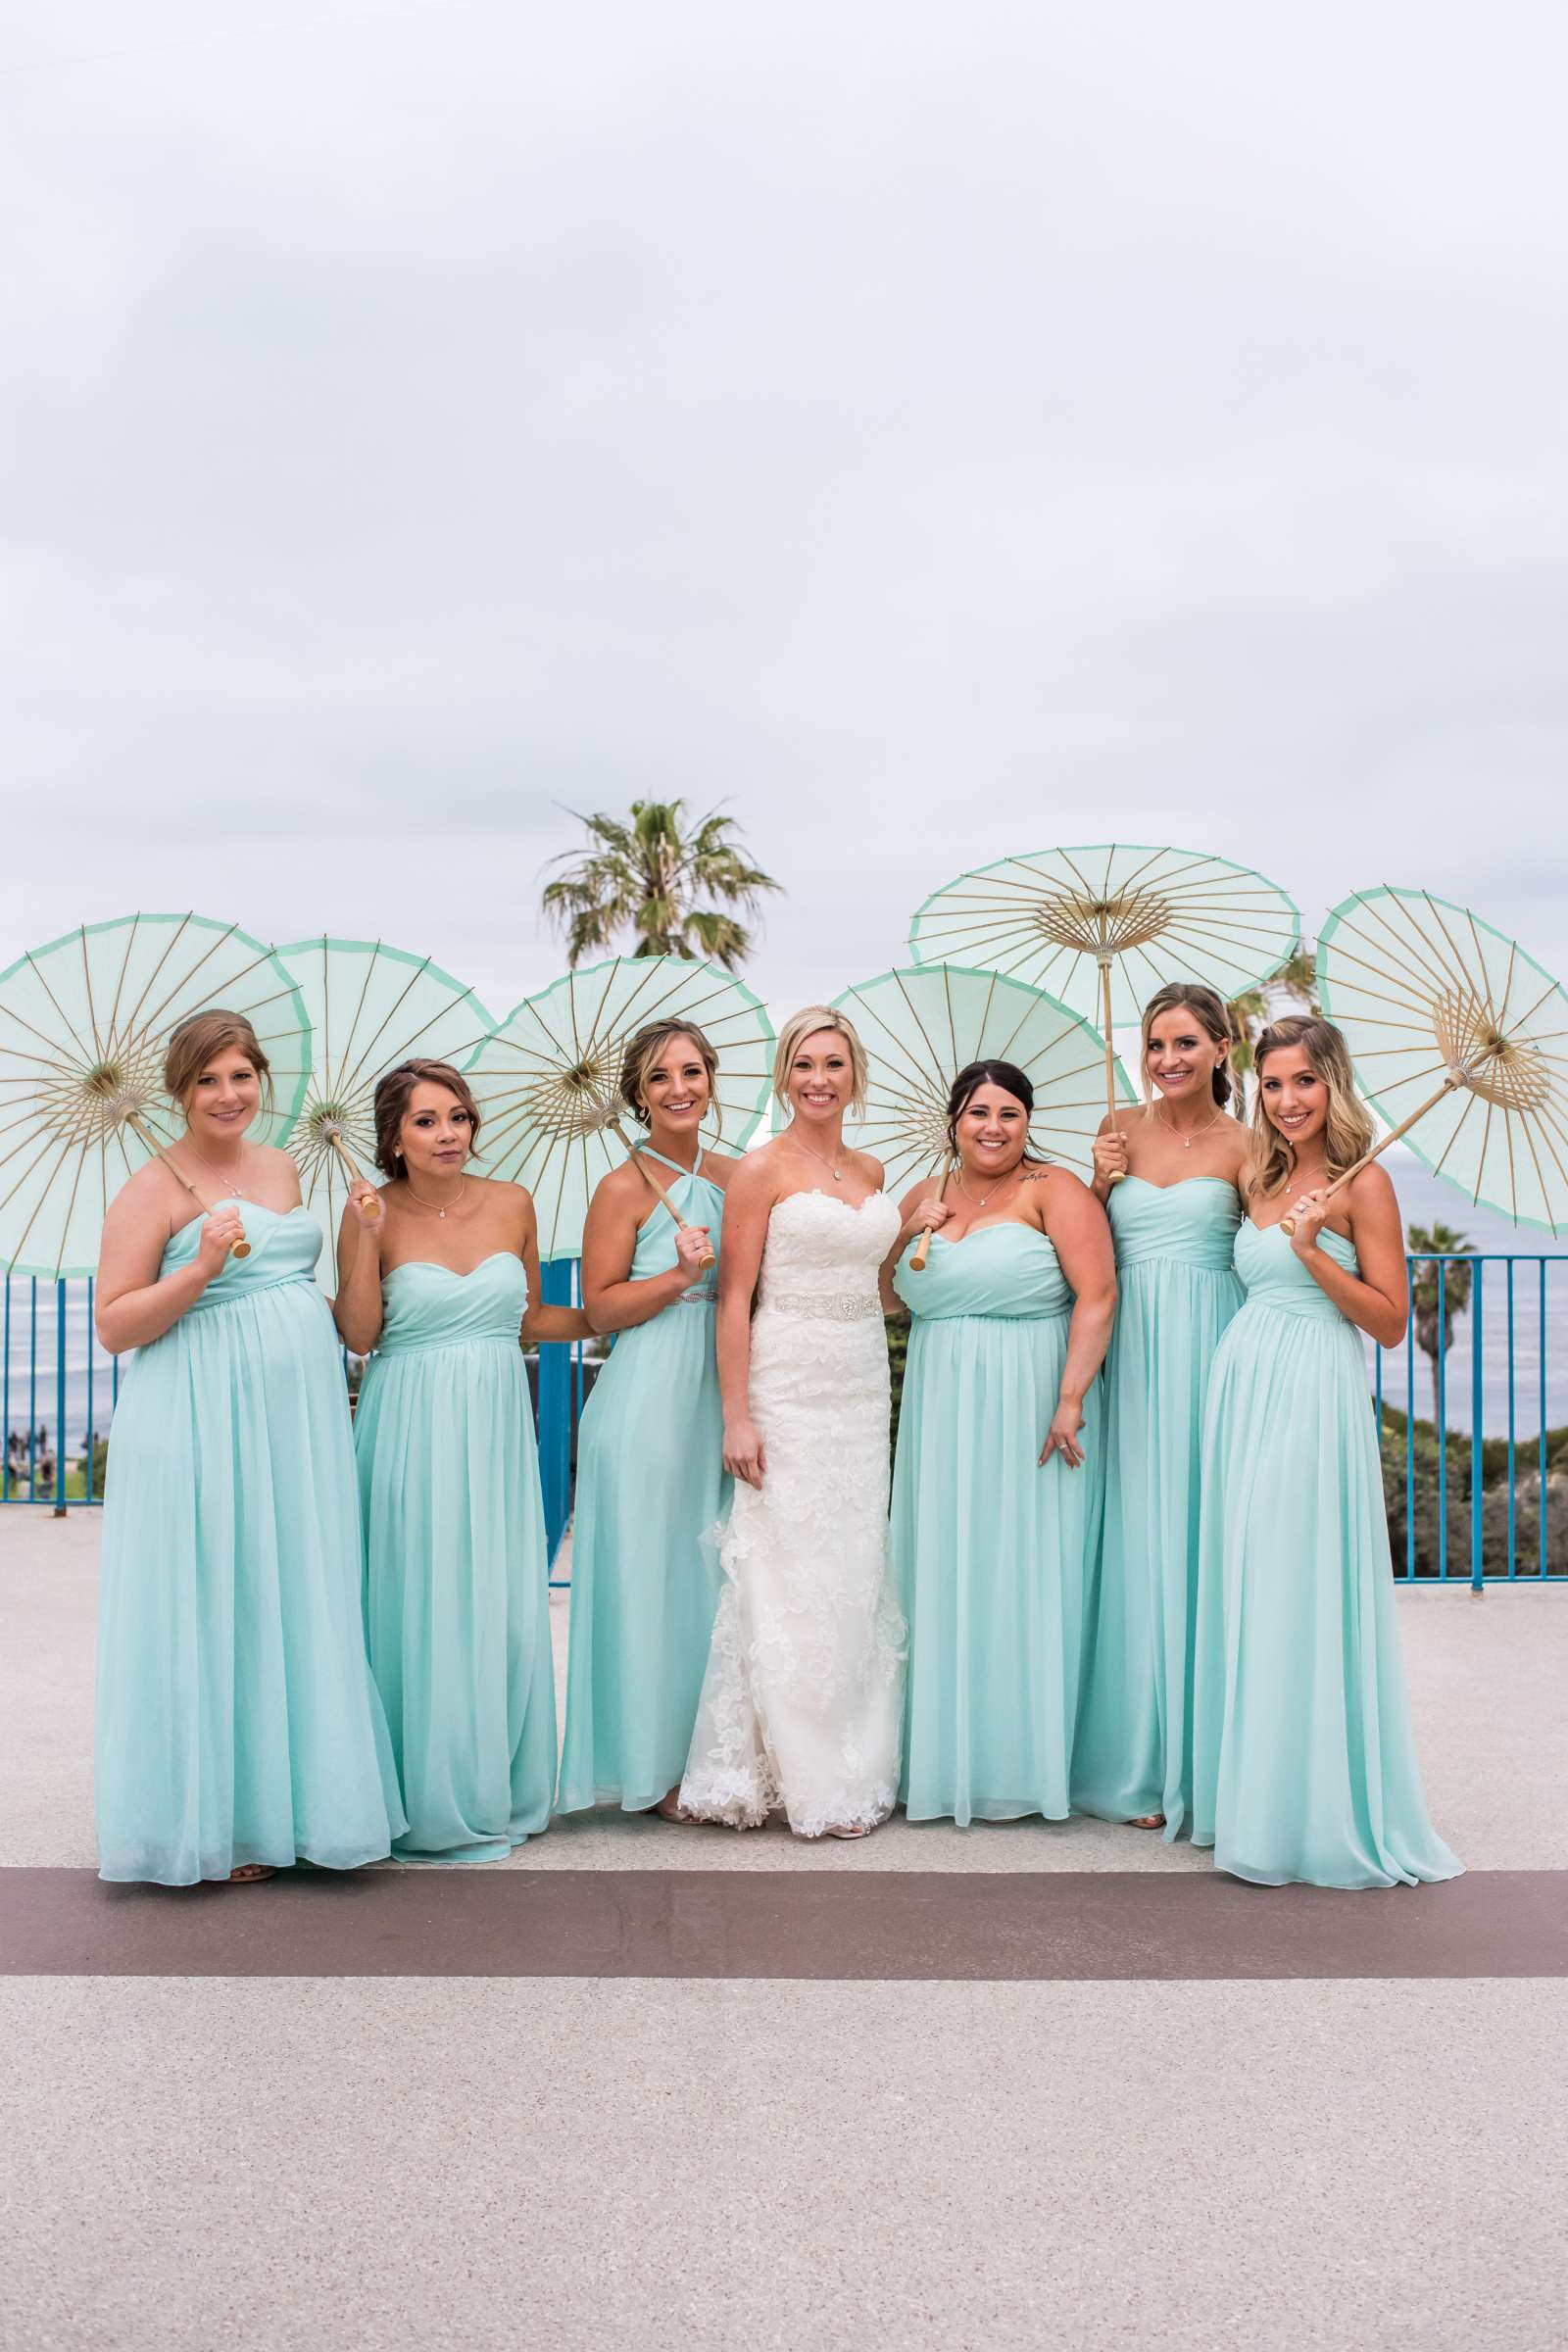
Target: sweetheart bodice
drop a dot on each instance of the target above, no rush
(1008, 1269)
(819, 1245)
(425, 1305)
(1275, 1276)
(1194, 1221)
(285, 1245)
(701, 1201)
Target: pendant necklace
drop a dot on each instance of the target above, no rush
(837, 1174)
(238, 1190)
(430, 1206)
(1187, 1139)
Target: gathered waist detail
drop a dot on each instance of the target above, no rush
(1202, 1260)
(1298, 1307)
(464, 1338)
(279, 1282)
(833, 1306)
(999, 1315)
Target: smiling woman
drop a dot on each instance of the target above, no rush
(439, 1274)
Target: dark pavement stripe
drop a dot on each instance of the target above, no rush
(1001, 1927)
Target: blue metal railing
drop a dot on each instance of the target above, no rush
(1458, 1511)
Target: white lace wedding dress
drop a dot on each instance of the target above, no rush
(802, 1694)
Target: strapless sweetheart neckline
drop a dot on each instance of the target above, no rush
(246, 1208)
(436, 1266)
(1151, 1187)
(814, 1191)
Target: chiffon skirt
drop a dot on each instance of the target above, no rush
(644, 1585)
(237, 1721)
(457, 1595)
(991, 1554)
(1304, 1766)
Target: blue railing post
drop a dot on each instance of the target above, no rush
(60, 1400)
(1477, 1419)
(555, 1409)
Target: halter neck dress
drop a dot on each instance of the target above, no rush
(237, 1721)
(650, 1484)
(1177, 1290)
(991, 1549)
(1305, 1767)
(457, 1598)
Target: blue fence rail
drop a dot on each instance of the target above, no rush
(1459, 1511)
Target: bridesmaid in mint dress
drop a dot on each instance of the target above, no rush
(651, 1481)
(999, 1470)
(1305, 1767)
(238, 1728)
(1167, 1174)
(436, 1273)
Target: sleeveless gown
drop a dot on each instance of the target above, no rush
(1177, 1291)
(650, 1485)
(457, 1600)
(237, 1721)
(1305, 1767)
(799, 1702)
(991, 1549)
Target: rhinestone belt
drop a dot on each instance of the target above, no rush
(839, 1307)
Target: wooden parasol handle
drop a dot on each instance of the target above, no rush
(922, 1248)
(1287, 1224)
(355, 1174)
(242, 1247)
(1111, 1055)
(708, 1258)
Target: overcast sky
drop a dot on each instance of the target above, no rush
(932, 432)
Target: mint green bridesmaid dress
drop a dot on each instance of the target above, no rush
(991, 1551)
(1305, 1767)
(457, 1599)
(650, 1484)
(1176, 1292)
(237, 1721)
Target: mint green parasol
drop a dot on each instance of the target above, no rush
(84, 1027)
(1104, 927)
(371, 1007)
(920, 1027)
(546, 1080)
(1460, 1042)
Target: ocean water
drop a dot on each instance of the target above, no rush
(27, 1338)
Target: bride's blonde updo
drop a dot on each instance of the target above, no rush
(805, 1024)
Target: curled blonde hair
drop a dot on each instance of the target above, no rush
(805, 1024)
(1347, 1133)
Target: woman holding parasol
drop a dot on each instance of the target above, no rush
(1000, 1474)
(1305, 1768)
(438, 1271)
(238, 1726)
(651, 1479)
(1167, 1175)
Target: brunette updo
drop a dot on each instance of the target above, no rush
(967, 1084)
(1212, 1015)
(643, 1050)
(392, 1096)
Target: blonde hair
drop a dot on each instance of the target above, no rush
(199, 1039)
(643, 1048)
(1213, 1017)
(1347, 1132)
(805, 1024)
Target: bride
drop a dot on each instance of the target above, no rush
(801, 1699)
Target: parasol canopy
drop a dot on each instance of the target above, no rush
(1104, 927)
(369, 1007)
(1460, 1042)
(84, 1027)
(922, 1026)
(546, 1080)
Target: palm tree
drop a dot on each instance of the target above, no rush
(646, 875)
(1251, 1012)
(1435, 1302)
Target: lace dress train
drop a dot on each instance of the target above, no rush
(803, 1693)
